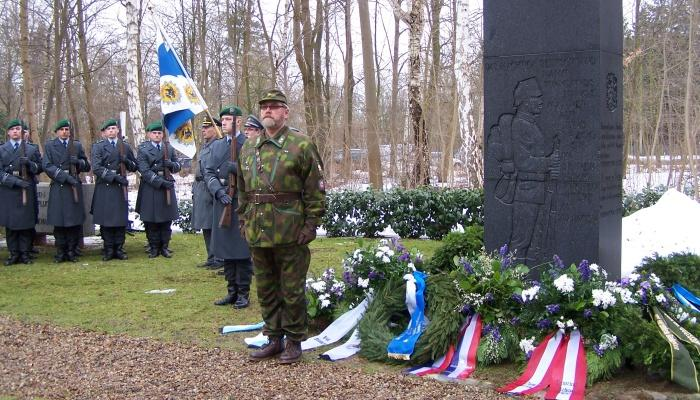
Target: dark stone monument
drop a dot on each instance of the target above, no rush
(553, 127)
(43, 197)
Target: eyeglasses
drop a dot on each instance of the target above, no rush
(272, 107)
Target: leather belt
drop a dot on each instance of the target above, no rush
(281, 197)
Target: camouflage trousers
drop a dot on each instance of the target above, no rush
(280, 275)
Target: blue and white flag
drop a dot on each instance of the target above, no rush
(180, 99)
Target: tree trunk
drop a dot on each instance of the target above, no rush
(133, 92)
(27, 78)
(448, 151)
(349, 90)
(689, 130)
(93, 132)
(371, 101)
(245, 65)
(394, 113)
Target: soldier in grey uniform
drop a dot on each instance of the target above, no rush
(202, 200)
(156, 202)
(110, 208)
(20, 163)
(66, 211)
(253, 127)
(226, 242)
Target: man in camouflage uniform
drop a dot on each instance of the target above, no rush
(110, 208)
(202, 200)
(281, 175)
(66, 211)
(20, 163)
(156, 202)
(226, 241)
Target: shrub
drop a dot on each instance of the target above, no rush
(456, 244)
(184, 218)
(683, 268)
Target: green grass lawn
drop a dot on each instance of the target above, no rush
(109, 296)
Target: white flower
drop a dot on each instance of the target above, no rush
(570, 324)
(682, 316)
(564, 284)
(661, 298)
(411, 266)
(386, 259)
(693, 320)
(324, 296)
(561, 324)
(594, 267)
(363, 283)
(655, 279)
(318, 286)
(634, 277)
(325, 303)
(383, 242)
(603, 298)
(626, 296)
(607, 342)
(329, 273)
(527, 345)
(338, 286)
(530, 294)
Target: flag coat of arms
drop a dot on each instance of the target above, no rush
(180, 99)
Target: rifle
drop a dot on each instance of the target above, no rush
(122, 154)
(24, 173)
(166, 172)
(225, 220)
(72, 170)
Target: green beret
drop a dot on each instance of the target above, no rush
(253, 122)
(108, 123)
(155, 126)
(64, 123)
(231, 110)
(273, 95)
(16, 122)
(207, 122)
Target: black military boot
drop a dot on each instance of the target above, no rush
(25, 258)
(107, 253)
(271, 349)
(153, 251)
(119, 252)
(292, 352)
(230, 297)
(242, 299)
(165, 251)
(12, 259)
(70, 255)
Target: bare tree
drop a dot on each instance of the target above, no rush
(371, 101)
(28, 79)
(133, 73)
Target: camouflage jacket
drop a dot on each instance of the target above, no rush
(286, 163)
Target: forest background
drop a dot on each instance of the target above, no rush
(390, 90)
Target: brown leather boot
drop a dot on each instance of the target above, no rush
(271, 349)
(292, 352)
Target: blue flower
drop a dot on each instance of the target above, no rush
(552, 308)
(598, 350)
(515, 321)
(373, 275)
(405, 257)
(587, 313)
(503, 251)
(558, 262)
(466, 309)
(467, 266)
(585, 270)
(624, 282)
(517, 297)
(488, 297)
(348, 278)
(544, 324)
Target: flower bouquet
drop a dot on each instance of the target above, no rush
(324, 296)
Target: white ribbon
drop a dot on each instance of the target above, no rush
(338, 329)
(345, 350)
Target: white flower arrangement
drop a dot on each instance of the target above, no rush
(527, 345)
(603, 298)
(564, 284)
(530, 294)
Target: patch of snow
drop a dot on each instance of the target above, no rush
(669, 226)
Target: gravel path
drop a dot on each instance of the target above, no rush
(50, 362)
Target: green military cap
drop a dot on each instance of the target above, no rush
(16, 122)
(207, 122)
(64, 123)
(231, 110)
(253, 122)
(273, 95)
(108, 123)
(154, 126)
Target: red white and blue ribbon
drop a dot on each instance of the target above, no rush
(436, 366)
(464, 362)
(539, 369)
(570, 384)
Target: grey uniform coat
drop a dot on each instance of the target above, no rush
(13, 214)
(63, 211)
(109, 207)
(202, 200)
(151, 202)
(226, 243)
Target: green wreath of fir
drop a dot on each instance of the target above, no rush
(386, 317)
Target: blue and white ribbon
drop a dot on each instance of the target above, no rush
(241, 328)
(402, 346)
(686, 297)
